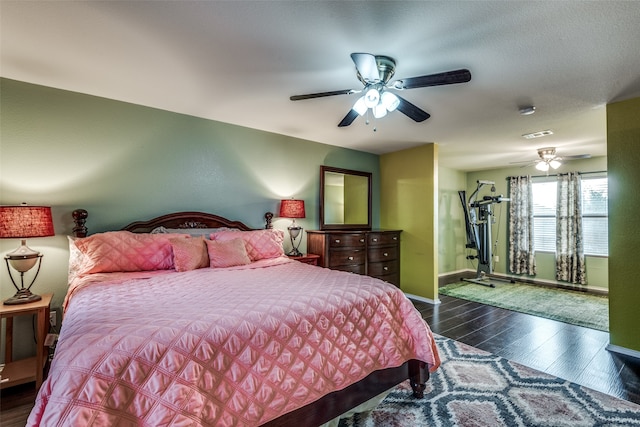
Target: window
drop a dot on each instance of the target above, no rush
(545, 195)
(594, 215)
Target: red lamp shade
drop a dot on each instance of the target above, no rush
(21, 222)
(292, 208)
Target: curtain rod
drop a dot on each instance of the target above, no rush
(560, 174)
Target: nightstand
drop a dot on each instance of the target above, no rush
(311, 259)
(30, 369)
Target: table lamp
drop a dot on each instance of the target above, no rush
(292, 208)
(22, 222)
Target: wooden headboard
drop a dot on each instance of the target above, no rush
(184, 220)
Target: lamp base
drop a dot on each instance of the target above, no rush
(23, 296)
(294, 252)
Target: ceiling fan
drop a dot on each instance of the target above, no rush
(375, 71)
(550, 160)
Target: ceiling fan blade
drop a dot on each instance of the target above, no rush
(367, 66)
(411, 111)
(446, 78)
(526, 163)
(576, 157)
(349, 118)
(321, 94)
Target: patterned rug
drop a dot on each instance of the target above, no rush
(475, 388)
(574, 307)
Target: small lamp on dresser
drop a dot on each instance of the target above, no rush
(293, 208)
(22, 222)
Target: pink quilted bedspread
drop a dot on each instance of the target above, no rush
(222, 347)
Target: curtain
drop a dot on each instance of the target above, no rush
(570, 262)
(521, 252)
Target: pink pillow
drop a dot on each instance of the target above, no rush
(227, 254)
(125, 251)
(260, 244)
(189, 254)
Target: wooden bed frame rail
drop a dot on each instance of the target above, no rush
(329, 406)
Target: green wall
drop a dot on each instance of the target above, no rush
(409, 202)
(451, 227)
(125, 162)
(623, 157)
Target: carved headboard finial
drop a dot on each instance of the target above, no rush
(80, 218)
(268, 217)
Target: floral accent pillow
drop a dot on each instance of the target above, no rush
(189, 254)
(260, 244)
(227, 253)
(76, 259)
(125, 251)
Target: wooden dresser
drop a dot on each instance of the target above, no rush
(373, 253)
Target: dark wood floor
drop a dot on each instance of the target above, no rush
(571, 352)
(574, 353)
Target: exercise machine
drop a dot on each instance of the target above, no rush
(478, 218)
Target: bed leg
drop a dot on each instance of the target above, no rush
(418, 376)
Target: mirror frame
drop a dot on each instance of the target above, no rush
(323, 226)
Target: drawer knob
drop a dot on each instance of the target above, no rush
(385, 254)
(361, 240)
(385, 268)
(395, 237)
(375, 240)
(337, 240)
(350, 258)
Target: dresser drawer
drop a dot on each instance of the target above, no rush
(382, 254)
(347, 240)
(347, 257)
(376, 239)
(372, 252)
(383, 268)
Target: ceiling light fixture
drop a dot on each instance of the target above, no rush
(378, 100)
(548, 159)
(390, 101)
(360, 107)
(371, 98)
(542, 166)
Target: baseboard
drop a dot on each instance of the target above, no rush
(457, 276)
(623, 350)
(422, 299)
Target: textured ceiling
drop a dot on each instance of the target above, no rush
(239, 61)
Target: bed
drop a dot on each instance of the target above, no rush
(261, 341)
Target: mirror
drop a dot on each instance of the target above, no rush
(345, 199)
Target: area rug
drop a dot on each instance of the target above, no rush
(574, 307)
(475, 388)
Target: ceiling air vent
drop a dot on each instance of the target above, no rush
(538, 134)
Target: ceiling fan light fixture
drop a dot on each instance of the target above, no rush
(360, 107)
(542, 166)
(371, 98)
(547, 154)
(390, 101)
(379, 111)
(555, 164)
